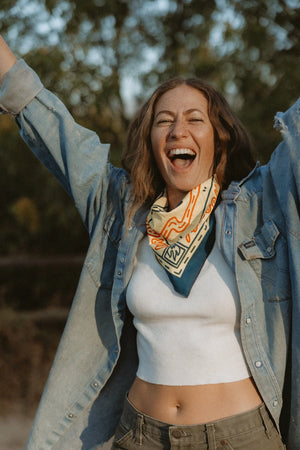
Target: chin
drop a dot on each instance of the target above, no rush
(184, 189)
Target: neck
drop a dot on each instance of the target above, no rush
(174, 198)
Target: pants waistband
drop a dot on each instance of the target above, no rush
(236, 424)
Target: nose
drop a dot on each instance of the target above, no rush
(178, 129)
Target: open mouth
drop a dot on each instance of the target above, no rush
(181, 157)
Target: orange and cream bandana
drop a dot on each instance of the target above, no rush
(183, 238)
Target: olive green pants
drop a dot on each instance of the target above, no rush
(252, 430)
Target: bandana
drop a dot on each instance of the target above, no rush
(183, 238)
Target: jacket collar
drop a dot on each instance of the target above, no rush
(233, 190)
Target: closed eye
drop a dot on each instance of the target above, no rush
(164, 121)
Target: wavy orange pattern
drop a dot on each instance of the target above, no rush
(158, 240)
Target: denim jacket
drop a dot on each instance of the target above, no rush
(257, 230)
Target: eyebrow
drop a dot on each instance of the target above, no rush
(188, 111)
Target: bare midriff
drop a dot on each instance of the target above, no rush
(188, 405)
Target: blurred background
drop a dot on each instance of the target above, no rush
(103, 58)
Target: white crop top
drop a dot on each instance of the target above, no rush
(186, 341)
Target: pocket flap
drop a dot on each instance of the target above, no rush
(262, 244)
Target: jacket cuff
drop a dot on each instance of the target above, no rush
(20, 85)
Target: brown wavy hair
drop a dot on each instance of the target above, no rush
(234, 157)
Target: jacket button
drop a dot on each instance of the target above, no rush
(248, 320)
(70, 415)
(258, 364)
(275, 403)
(119, 272)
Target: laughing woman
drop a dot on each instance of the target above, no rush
(184, 328)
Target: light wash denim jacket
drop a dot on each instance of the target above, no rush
(258, 231)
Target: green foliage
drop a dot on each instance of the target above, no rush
(103, 58)
(25, 212)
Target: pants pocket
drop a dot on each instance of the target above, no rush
(124, 438)
(255, 440)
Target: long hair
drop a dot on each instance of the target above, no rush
(233, 157)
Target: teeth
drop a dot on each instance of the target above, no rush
(181, 151)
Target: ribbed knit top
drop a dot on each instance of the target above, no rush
(186, 341)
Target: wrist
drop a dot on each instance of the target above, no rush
(7, 59)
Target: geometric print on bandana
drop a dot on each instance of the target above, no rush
(176, 235)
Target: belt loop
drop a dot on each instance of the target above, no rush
(139, 430)
(265, 419)
(211, 439)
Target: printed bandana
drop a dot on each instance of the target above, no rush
(183, 238)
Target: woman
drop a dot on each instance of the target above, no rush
(209, 296)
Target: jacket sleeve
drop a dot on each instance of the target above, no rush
(72, 153)
(285, 169)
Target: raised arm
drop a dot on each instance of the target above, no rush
(284, 167)
(7, 59)
(73, 154)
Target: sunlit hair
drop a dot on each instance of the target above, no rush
(233, 150)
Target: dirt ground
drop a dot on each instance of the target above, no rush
(29, 337)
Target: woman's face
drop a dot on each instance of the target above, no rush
(182, 139)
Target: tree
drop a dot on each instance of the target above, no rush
(249, 50)
(102, 58)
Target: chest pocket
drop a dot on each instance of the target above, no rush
(267, 254)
